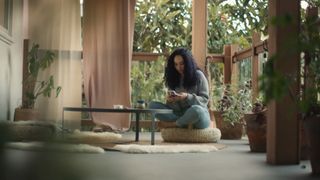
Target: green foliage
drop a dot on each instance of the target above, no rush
(162, 25)
(36, 88)
(236, 101)
(147, 81)
(234, 23)
(310, 44)
(216, 88)
(259, 105)
(247, 16)
(273, 84)
(313, 3)
(218, 35)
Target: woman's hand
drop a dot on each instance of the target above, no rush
(177, 97)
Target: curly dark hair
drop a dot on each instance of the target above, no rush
(172, 76)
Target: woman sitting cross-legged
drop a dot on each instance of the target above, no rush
(188, 93)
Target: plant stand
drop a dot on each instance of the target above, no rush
(256, 127)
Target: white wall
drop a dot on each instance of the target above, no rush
(11, 66)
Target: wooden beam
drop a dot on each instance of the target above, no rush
(258, 47)
(215, 58)
(282, 124)
(199, 31)
(241, 55)
(143, 56)
(261, 46)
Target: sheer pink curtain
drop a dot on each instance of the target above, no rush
(107, 51)
(56, 25)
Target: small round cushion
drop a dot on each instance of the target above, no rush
(207, 135)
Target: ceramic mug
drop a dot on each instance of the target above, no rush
(117, 106)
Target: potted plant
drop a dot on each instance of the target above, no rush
(230, 110)
(216, 94)
(256, 126)
(32, 87)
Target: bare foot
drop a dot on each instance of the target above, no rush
(165, 124)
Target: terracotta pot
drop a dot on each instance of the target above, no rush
(26, 114)
(312, 130)
(256, 127)
(228, 131)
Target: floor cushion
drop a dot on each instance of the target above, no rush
(207, 135)
(28, 130)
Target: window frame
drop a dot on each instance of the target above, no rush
(6, 28)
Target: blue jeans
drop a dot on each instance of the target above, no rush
(196, 115)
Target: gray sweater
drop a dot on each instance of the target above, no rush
(197, 95)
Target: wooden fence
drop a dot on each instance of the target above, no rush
(232, 56)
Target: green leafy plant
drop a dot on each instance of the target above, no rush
(259, 105)
(235, 102)
(147, 81)
(34, 87)
(217, 95)
(310, 45)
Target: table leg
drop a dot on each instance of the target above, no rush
(153, 128)
(137, 126)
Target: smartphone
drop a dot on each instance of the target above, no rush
(172, 93)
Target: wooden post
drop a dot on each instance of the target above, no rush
(255, 66)
(25, 87)
(199, 31)
(229, 51)
(283, 124)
